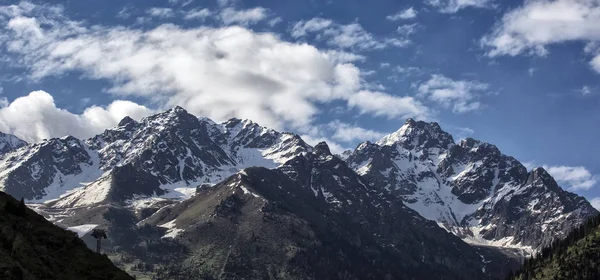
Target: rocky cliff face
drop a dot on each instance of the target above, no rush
(469, 188)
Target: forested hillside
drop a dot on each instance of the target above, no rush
(575, 257)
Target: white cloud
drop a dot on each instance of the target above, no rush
(343, 57)
(404, 14)
(197, 13)
(243, 17)
(595, 63)
(461, 96)
(160, 12)
(276, 83)
(408, 70)
(125, 13)
(585, 90)
(275, 21)
(182, 3)
(574, 177)
(453, 6)
(530, 28)
(407, 29)
(595, 203)
(382, 104)
(348, 133)
(35, 116)
(344, 36)
(302, 28)
(531, 71)
(463, 132)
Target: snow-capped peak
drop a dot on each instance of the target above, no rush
(469, 188)
(418, 133)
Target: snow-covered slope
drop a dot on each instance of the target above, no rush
(46, 170)
(469, 188)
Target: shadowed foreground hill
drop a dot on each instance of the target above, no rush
(33, 248)
(575, 257)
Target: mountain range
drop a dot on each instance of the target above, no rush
(183, 197)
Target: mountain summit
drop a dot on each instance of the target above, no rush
(469, 188)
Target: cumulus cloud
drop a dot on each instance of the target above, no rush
(404, 14)
(574, 177)
(35, 116)
(530, 28)
(215, 72)
(453, 6)
(344, 36)
(460, 95)
(349, 133)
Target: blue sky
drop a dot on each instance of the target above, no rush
(523, 76)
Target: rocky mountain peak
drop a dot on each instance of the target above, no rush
(478, 146)
(470, 188)
(174, 117)
(126, 121)
(9, 142)
(322, 148)
(418, 134)
(540, 177)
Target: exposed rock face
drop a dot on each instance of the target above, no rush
(315, 204)
(469, 188)
(10, 143)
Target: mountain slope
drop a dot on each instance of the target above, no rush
(33, 248)
(10, 142)
(575, 257)
(47, 169)
(469, 188)
(326, 223)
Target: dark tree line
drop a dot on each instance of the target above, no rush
(575, 257)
